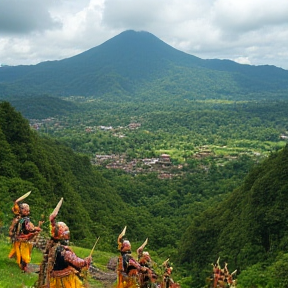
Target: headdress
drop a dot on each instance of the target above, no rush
(120, 238)
(123, 245)
(58, 229)
(141, 248)
(166, 263)
(126, 246)
(18, 207)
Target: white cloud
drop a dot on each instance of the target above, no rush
(242, 60)
(26, 16)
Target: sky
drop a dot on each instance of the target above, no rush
(253, 32)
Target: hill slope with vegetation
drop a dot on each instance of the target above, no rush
(52, 171)
(138, 65)
(248, 230)
(100, 202)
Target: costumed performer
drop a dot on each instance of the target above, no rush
(167, 279)
(60, 266)
(147, 278)
(128, 268)
(22, 233)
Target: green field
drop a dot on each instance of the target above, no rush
(12, 276)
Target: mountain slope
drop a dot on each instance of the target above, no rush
(51, 171)
(139, 65)
(248, 228)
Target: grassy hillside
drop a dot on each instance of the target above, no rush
(11, 275)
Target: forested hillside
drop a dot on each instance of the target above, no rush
(100, 201)
(52, 171)
(248, 230)
(209, 211)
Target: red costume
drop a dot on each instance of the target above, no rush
(148, 277)
(60, 266)
(222, 277)
(167, 280)
(128, 267)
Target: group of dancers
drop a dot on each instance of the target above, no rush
(221, 277)
(132, 273)
(62, 268)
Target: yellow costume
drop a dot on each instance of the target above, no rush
(128, 268)
(70, 281)
(22, 251)
(60, 267)
(21, 232)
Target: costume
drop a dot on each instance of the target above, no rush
(60, 267)
(222, 277)
(128, 268)
(167, 280)
(22, 233)
(148, 277)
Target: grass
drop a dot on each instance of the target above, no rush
(100, 258)
(232, 148)
(12, 277)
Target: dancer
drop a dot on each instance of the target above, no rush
(148, 277)
(60, 266)
(167, 280)
(22, 233)
(128, 267)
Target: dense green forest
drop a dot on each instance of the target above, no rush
(213, 208)
(249, 229)
(190, 153)
(102, 197)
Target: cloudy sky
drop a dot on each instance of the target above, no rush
(246, 31)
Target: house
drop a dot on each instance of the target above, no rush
(164, 158)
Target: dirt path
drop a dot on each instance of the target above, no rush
(106, 278)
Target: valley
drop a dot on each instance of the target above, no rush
(191, 153)
(198, 134)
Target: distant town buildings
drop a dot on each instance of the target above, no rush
(134, 125)
(164, 158)
(135, 166)
(106, 128)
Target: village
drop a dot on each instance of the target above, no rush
(162, 165)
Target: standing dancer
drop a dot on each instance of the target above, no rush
(22, 232)
(60, 266)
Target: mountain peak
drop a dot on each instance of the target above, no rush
(133, 62)
(143, 41)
